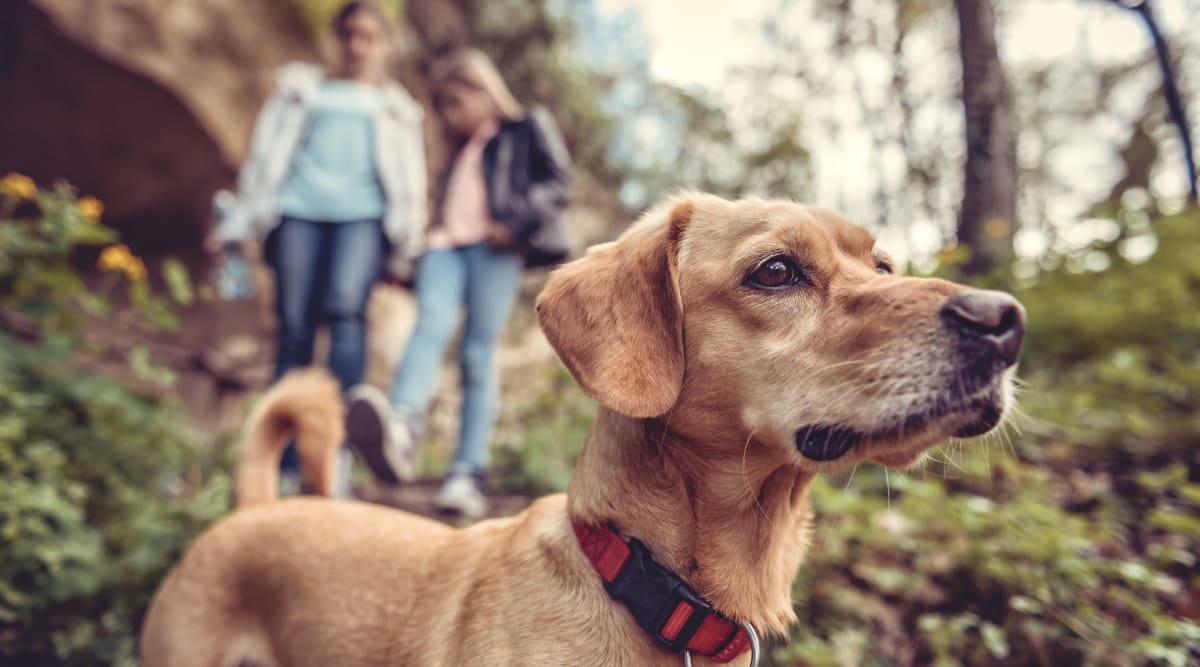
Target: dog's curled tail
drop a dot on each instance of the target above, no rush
(304, 406)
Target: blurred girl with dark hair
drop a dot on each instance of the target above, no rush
(500, 204)
(335, 182)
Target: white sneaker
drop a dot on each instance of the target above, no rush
(290, 482)
(461, 494)
(386, 442)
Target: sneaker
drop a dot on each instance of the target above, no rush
(290, 483)
(461, 494)
(386, 442)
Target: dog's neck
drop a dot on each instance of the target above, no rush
(732, 524)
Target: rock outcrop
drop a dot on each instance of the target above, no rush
(146, 104)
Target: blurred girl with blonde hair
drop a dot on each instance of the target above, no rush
(499, 209)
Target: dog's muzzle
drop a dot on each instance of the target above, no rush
(985, 330)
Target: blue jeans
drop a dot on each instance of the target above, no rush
(486, 282)
(324, 272)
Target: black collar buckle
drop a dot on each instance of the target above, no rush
(654, 595)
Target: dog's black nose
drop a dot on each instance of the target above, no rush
(994, 317)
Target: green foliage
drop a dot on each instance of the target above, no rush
(93, 505)
(92, 509)
(316, 16)
(39, 232)
(43, 235)
(539, 456)
(990, 570)
(1113, 356)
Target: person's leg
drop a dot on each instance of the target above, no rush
(296, 258)
(356, 255)
(494, 279)
(440, 282)
(384, 431)
(298, 253)
(350, 262)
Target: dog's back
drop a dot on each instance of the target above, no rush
(312, 580)
(304, 408)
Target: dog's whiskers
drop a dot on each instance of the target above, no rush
(749, 488)
(837, 512)
(888, 482)
(987, 454)
(1006, 441)
(948, 461)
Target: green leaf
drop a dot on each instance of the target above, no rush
(994, 640)
(178, 281)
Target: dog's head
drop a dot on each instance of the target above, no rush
(784, 325)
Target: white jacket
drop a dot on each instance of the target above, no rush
(399, 155)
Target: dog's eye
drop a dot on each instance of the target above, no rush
(884, 267)
(775, 273)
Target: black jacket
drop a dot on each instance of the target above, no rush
(527, 172)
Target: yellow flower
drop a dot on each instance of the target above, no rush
(113, 257)
(118, 258)
(91, 208)
(136, 271)
(19, 186)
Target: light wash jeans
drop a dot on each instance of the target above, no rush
(324, 272)
(486, 283)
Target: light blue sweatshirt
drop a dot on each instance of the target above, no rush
(333, 176)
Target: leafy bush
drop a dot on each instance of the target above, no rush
(93, 508)
(1114, 355)
(925, 573)
(541, 440)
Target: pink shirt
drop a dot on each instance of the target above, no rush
(465, 219)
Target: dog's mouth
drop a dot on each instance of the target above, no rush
(962, 417)
(825, 442)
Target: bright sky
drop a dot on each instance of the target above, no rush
(695, 42)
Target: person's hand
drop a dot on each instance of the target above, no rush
(396, 280)
(212, 244)
(500, 238)
(215, 245)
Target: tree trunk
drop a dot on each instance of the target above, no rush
(989, 208)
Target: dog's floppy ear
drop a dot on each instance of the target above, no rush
(615, 317)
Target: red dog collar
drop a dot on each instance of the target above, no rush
(666, 607)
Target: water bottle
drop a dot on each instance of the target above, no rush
(234, 280)
(233, 277)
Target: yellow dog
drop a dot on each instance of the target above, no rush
(736, 349)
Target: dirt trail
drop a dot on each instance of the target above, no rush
(418, 496)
